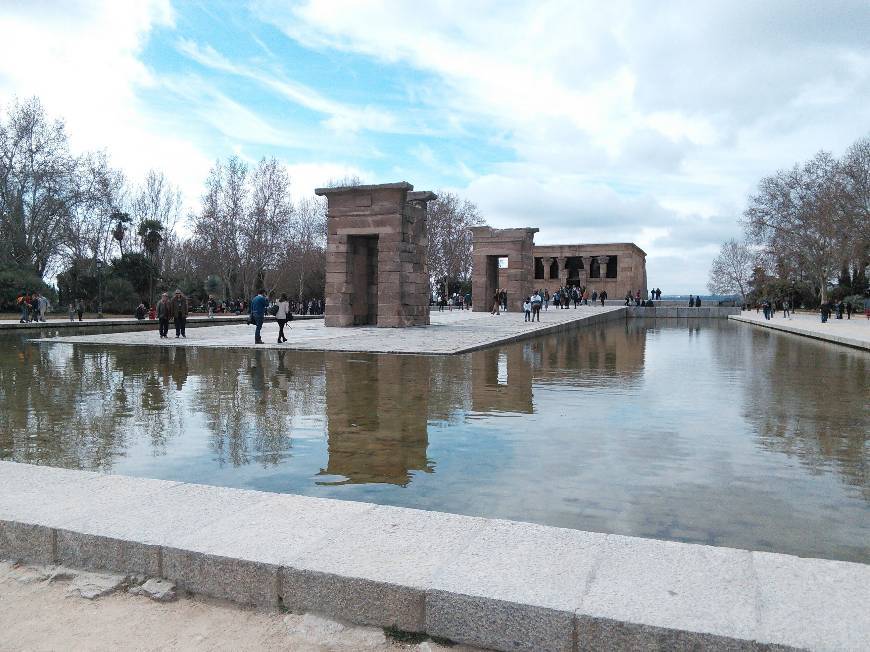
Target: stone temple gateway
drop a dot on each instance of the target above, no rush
(376, 271)
(377, 274)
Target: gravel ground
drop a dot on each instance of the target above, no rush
(41, 608)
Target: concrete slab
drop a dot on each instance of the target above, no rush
(672, 586)
(376, 570)
(516, 586)
(259, 539)
(497, 583)
(816, 604)
(848, 332)
(26, 542)
(450, 332)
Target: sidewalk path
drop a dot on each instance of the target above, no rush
(458, 331)
(853, 332)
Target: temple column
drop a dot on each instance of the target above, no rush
(602, 267)
(587, 270)
(563, 270)
(548, 263)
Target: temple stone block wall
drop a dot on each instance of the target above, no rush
(376, 271)
(617, 268)
(489, 244)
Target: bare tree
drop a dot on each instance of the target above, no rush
(448, 221)
(306, 249)
(795, 216)
(39, 186)
(732, 269)
(264, 233)
(855, 175)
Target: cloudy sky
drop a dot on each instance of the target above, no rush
(594, 121)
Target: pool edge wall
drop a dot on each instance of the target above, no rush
(499, 584)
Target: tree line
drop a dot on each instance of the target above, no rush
(73, 226)
(806, 234)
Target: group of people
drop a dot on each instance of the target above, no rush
(32, 307)
(456, 300)
(565, 297)
(840, 308)
(828, 309)
(694, 301)
(176, 309)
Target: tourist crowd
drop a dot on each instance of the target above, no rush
(837, 309)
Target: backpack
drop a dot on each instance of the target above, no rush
(273, 310)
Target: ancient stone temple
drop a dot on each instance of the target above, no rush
(501, 259)
(509, 259)
(617, 268)
(376, 271)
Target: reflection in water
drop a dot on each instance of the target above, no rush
(383, 444)
(695, 431)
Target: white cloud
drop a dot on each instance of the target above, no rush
(83, 60)
(339, 116)
(626, 120)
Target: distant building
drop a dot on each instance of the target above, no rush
(617, 267)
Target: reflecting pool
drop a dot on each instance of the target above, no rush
(704, 431)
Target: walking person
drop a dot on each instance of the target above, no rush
(21, 301)
(258, 314)
(179, 313)
(71, 312)
(603, 297)
(212, 306)
(496, 304)
(164, 310)
(80, 308)
(867, 305)
(283, 316)
(537, 300)
(825, 311)
(849, 310)
(546, 301)
(527, 309)
(786, 309)
(41, 307)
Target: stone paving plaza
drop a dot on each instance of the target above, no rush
(853, 332)
(450, 332)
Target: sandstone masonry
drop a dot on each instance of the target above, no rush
(376, 272)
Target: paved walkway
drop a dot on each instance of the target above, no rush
(853, 332)
(486, 582)
(114, 321)
(457, 331)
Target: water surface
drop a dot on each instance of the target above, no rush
(702, 431)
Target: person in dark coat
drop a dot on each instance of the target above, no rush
(258, 314)
(179, 313)
(164, 310)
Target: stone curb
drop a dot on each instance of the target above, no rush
(806, 332)
(499, 584)
(133, 324)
